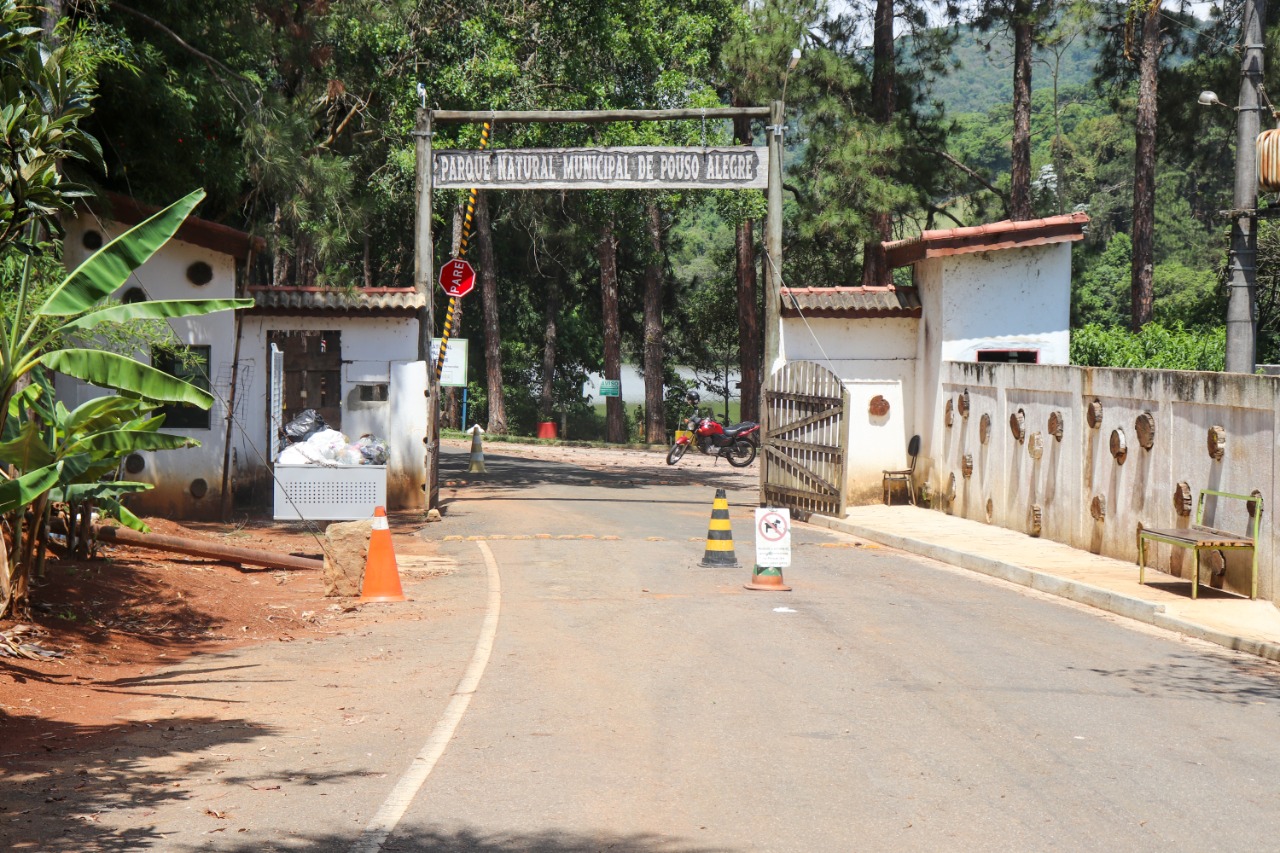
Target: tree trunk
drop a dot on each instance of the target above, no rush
(875, 269)
(615, 427)
(1020, 177)
(546, 403)
(1144, 173)
(655, 422)
(492, 334)
(750, 354)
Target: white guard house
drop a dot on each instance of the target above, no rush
(996, 293)
(349, 354)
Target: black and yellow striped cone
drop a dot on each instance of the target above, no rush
(719, 535)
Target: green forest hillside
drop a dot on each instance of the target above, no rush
(982, 71)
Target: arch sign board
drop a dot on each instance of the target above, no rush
(639, 168)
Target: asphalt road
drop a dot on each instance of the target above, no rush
(634, 701)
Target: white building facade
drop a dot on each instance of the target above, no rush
(992, 293)
(365, 375)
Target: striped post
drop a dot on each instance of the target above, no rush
(719, 551)
(462, 253)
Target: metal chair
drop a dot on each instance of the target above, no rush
(905, 475)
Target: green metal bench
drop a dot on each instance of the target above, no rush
(1197, 538)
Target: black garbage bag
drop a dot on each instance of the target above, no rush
(307, 423)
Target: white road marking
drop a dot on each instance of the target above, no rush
(403, 794)
(783, 610)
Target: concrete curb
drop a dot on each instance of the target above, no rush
(1093, 596)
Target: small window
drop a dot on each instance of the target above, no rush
(373, 393)
(193, 368)
(1010, 356)
(199, 273)
(92, 240)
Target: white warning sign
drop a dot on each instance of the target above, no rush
(773, 537)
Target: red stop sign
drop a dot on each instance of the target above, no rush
(457, 278)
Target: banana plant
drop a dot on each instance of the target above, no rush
(54, 335)
(43, 335)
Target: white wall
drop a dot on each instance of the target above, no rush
(1073, 471)
(873, 357)
(164, 277)
(1007, 299)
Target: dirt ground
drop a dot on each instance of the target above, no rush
(132, 611)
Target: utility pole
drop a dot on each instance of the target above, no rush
(1242, 294)
(423, 272)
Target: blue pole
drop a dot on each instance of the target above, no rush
(464, 410)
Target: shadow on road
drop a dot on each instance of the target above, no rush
(1212, 677)
(468, 841)
(54, 801)
(513, 473)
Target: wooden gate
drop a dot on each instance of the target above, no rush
(805, 440)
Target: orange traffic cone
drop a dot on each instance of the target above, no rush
(381, 576)
(768, 579)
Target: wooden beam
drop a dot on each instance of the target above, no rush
(592, 116)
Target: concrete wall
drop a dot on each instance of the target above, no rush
(1072, 471)
(872, 357)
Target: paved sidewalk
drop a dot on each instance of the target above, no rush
(1103, 582)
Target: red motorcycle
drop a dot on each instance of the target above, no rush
(737, 443)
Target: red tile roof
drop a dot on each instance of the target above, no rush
(850, 302)
(985, 238)
(198, 232)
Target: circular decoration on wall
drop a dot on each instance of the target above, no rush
(199, 488)
(1093, 415)
(947, 416)
(199, 273)
(879, 406)
(990, 511)
(951, 489)
(1217, 442)
(1145, 428)
(1182, 499)
(984, 428)
(91, 240)
(962, 403)
(1098, 507)
(1035, 445)
(1119, 448)
(134, 295)
(966, 465)
(1055, 425)
(134, 463)
(1017, 425)
(1036, 521)
(1251, 506)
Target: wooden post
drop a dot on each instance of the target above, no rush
(773, 244)
(772, 278)
(423, 271)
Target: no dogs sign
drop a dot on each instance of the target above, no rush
(773, 537)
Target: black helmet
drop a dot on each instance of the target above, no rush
(693, 398)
